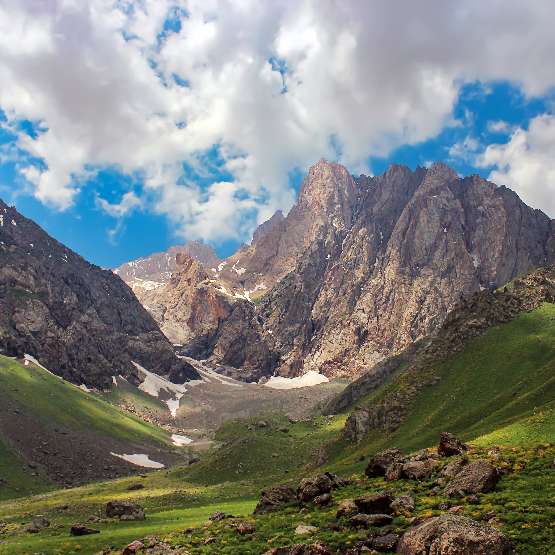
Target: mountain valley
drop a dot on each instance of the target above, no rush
(243, 405)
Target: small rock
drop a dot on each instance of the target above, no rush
(403, 505)
(133, 547)
(305, 530)
(217, 516)
(449, 445)
(457, 509)
(322, 500)
(284, 430)
(262, 424)
(244, 528)
(346, 507)
(38, 523)
(80, 530)
(473, 500)
(394, 472)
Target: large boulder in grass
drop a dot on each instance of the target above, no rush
(311, 488)
(124, 510)
(476, 477)
(379, 463)
(374, 503)
(274, 498)
(449, 445)
(451, 534)
(418, 470)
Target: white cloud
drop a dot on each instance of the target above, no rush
(499, 126)
(465, 150)
(129, 202)
(526, 163)
(99, 79)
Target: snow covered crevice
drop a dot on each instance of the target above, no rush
(161, 388)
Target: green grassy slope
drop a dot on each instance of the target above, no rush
(501, 387)
(59, 402)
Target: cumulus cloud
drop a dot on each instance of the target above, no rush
(526, 163)
(272, 85)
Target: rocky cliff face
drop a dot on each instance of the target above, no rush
(81, 322)
(362, 267)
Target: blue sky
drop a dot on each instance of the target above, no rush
(186, 123)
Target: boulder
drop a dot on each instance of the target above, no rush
(419, 470)
(80, 530)
(357, 425)
(384, 543)
(449, 445)
(452, 468)
(38, 523)
(309, 488)
(450, 534)
(394, 472)
(374, 503)
(135, 487)
(274, 498)
(378, 464)
(365, 521)
(476, 477)
(403, 505)
(124, 510)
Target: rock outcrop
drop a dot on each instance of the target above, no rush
(361, 268)
(81, 322)
(448, 534)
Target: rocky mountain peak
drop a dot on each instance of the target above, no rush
(81, 322)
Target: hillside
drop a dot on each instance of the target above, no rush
(53, 433)
(358, 270)
(495, 390)
(81, 322)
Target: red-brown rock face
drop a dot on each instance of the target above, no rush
(358, 269)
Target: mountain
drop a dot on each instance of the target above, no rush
(155, 270)
(81, 322)
(359, 269)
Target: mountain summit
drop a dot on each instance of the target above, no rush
(358, 269)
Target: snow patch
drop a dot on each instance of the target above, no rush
(115, 380)
(84, 388)
(139, 460)
(153, 384)
(180, 441)
(306, 380)
(146, 284)
(475, 260)
(221, 266)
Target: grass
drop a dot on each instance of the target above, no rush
(16, 478)
(498, 391)
(58, 402)
(501, 387)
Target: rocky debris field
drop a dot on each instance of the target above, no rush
(452, 500)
